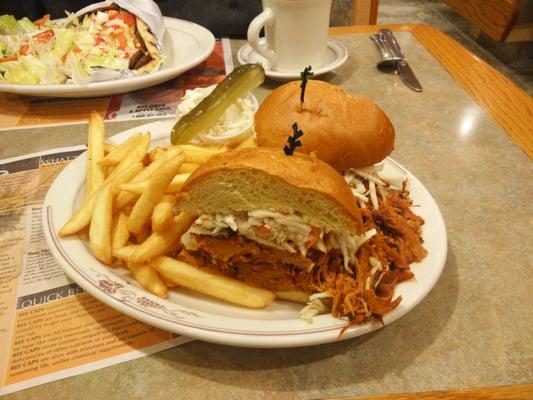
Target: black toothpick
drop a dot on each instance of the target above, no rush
(293, 141)
(304, 75)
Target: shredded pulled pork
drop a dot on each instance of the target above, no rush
(381, 264)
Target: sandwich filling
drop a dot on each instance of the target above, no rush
(282, 231)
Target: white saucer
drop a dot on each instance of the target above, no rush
(336, 55)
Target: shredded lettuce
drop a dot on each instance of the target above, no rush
(78, 71)
(84, 40)
(17, 72)
(109, 60)
(65, 40)
(34, 66)
(27, 25)
(8, 24)
(318, 303)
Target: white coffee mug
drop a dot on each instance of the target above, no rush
(296, 33)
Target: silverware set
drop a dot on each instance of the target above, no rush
(393, 59)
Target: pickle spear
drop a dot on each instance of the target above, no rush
(237, 84)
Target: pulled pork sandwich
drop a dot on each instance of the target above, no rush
(344, 131)
(354, 136)
(290, 224)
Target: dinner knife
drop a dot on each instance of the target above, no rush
(404, 70)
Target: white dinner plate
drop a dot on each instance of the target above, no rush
(185, 44)
(204, 318)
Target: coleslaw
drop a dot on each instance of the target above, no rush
(232, 127)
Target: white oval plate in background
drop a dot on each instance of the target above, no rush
(204, 318)
(185, 44)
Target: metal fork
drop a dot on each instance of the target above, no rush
(388, 58)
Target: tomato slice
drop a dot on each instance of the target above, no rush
(45, 36)
(122, 41)
(24, 49)
(43, 20)
(6, 59)
(128, 18)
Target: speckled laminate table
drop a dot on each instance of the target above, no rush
(473, 330)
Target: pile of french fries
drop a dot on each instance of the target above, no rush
(129, 214)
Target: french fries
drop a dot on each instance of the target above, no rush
(138, 187)
(221, 287)
(120, 234)
(163, 213)
(129, 209)
(293, 295)
(124, 198)
(142, 235)
(142, 211)
(82, 217)
(188, 167)
(148, 278)
(101, 221)
(108, 147)
(199, 155)
(177, 182)
(118, 153)
(154, 154)
(95, 153)
(134, 156)
(160, 243)
(125, 253)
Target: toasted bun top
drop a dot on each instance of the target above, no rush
(345, 131)
(267, 179)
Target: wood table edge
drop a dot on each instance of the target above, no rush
(508, 392)
(510, 106)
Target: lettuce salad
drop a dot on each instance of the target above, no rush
(96, 48)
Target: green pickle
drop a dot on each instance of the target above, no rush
(238, 83)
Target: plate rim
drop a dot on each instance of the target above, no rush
(119, 86)
(318, 335)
